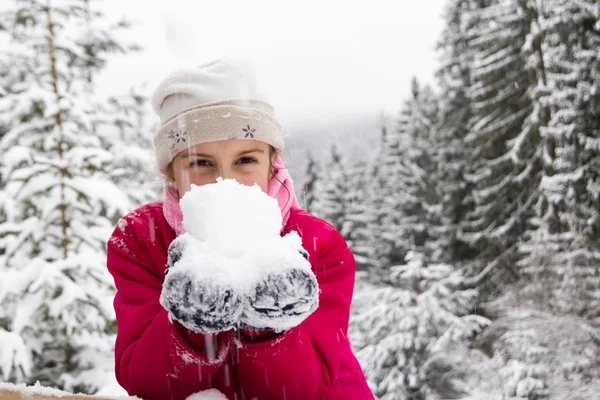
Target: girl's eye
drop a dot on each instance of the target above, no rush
(200, 163)
(246, 160)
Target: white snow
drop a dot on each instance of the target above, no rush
(122, 224)
(37, 389)
(27, 391)
(223, 214)
(13, 354)
(211, 394)
(232, 233)
(103, 191)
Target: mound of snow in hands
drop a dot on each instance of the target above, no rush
(235, 230)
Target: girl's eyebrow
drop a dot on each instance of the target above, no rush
(187, 155)
(250, 151)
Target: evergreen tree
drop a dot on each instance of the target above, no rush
(377, 250)
(561, 261)
(406, 174)
(6, 83)
(393, 173)
(503, 138)
(331, 191)
(422, 124)
(311, 176)
(397, 329)
(128, 127)
(15, 359)
(366, 211)
(357, 227)
(60, 202)
(538, 354)
(515, 156)
(454, 79)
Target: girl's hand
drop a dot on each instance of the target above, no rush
(201, 305)
(281, 300)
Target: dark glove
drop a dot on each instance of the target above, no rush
(175, 251)
(281, 300)
(201, 305)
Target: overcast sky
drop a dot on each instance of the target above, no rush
(316, 59)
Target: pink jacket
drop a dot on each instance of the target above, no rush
(159, 359)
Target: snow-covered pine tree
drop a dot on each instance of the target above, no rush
(6, 83)
(405, 172)
(122, 121)
(60, 203)
(561, 263)
(311, 176)
(338, 194)
(402, 331)
(128, 127)
(422, 123)
(358, 225)
(15, 361)
(453, 77)
(366, 211)
(539, 354)
(503, 137)
(536, 353)
(377, 256)
(331, 190)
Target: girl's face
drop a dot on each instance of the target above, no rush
(247, 161)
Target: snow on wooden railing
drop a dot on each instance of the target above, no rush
(9, 391)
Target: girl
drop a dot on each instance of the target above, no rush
(216, 123)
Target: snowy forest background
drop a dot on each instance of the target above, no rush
(475, 220)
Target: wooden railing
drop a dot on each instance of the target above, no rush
(21, 392)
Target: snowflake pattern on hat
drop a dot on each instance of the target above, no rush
(249, 132)
(176, 137)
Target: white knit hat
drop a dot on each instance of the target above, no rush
(216, 101)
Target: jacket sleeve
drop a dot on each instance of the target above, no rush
(301, 363)
(154, 357)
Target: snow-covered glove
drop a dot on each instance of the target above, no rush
(284, 295)
(198, 301)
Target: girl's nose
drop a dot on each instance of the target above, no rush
(226, 173)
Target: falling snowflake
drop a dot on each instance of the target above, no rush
(249, 131)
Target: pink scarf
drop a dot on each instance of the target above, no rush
(281, 187)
